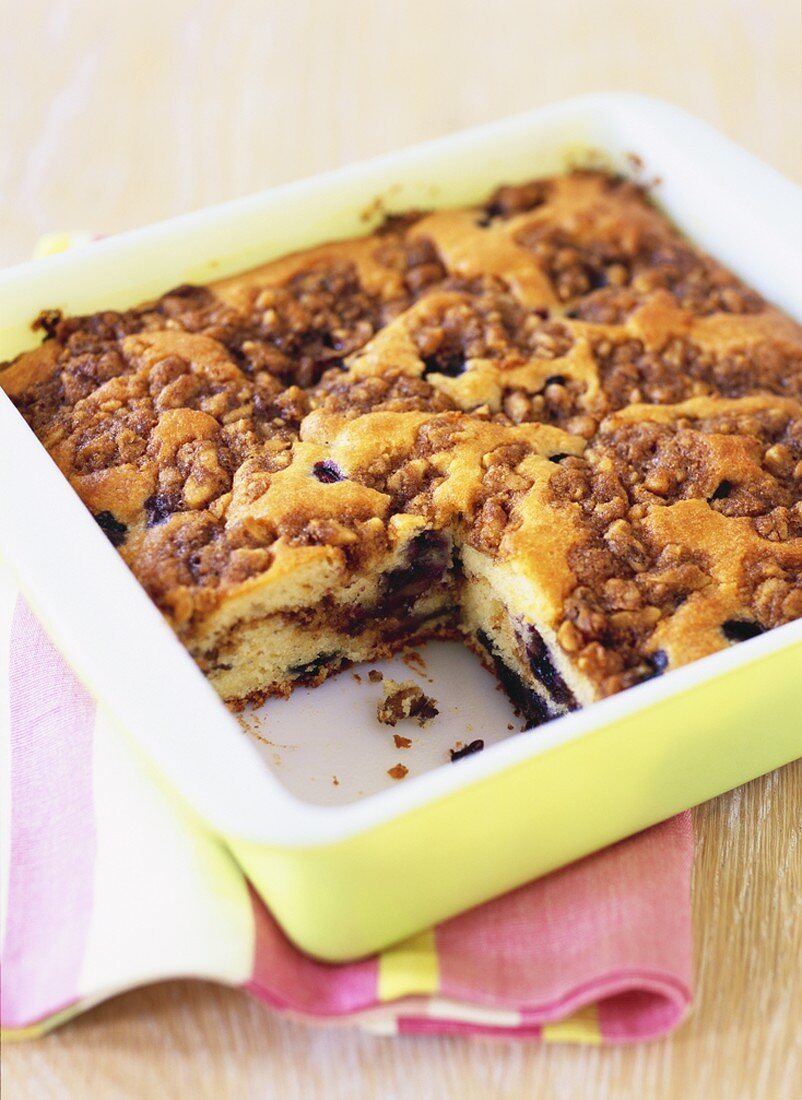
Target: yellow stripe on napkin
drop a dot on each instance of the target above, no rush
(582, 1027)
(410, 969)
(42, 1027)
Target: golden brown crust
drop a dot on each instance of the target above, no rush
(557, 379)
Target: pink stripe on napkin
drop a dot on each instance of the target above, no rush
(286, 978)
(52, 827)
(606, 927)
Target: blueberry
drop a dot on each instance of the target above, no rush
(596, 278)
(491, 211)
(160, 506)
(722, 491)
(740, 630)
(452, 365)
(467, 750)
(656, 664)
(429, 557)
(659, 660)
(430, 548)
(114, 531)
(328, 472)
(533, 708)
(543, 667)
(313, 668)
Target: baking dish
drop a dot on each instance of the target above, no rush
(347, 879)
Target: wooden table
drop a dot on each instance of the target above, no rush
(111, 120)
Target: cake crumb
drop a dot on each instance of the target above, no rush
(357, 677)
(335, 781)
(401, 742)
(398, 771)
(510, 726)
(405, 700)
(375, 676)
(414, 660)
(461, 750)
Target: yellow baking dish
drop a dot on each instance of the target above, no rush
(344, 880)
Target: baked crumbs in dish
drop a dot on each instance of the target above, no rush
(548, 425)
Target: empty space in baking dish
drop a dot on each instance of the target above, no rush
(326, 745)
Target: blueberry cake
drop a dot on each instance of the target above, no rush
(547, 425)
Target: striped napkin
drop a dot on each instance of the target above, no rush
(108, 883)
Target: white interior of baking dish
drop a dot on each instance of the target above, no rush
(740, 210)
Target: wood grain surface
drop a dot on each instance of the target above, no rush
(113, 115)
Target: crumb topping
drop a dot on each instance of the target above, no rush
(631, 373)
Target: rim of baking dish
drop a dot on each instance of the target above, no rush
(117, 640)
